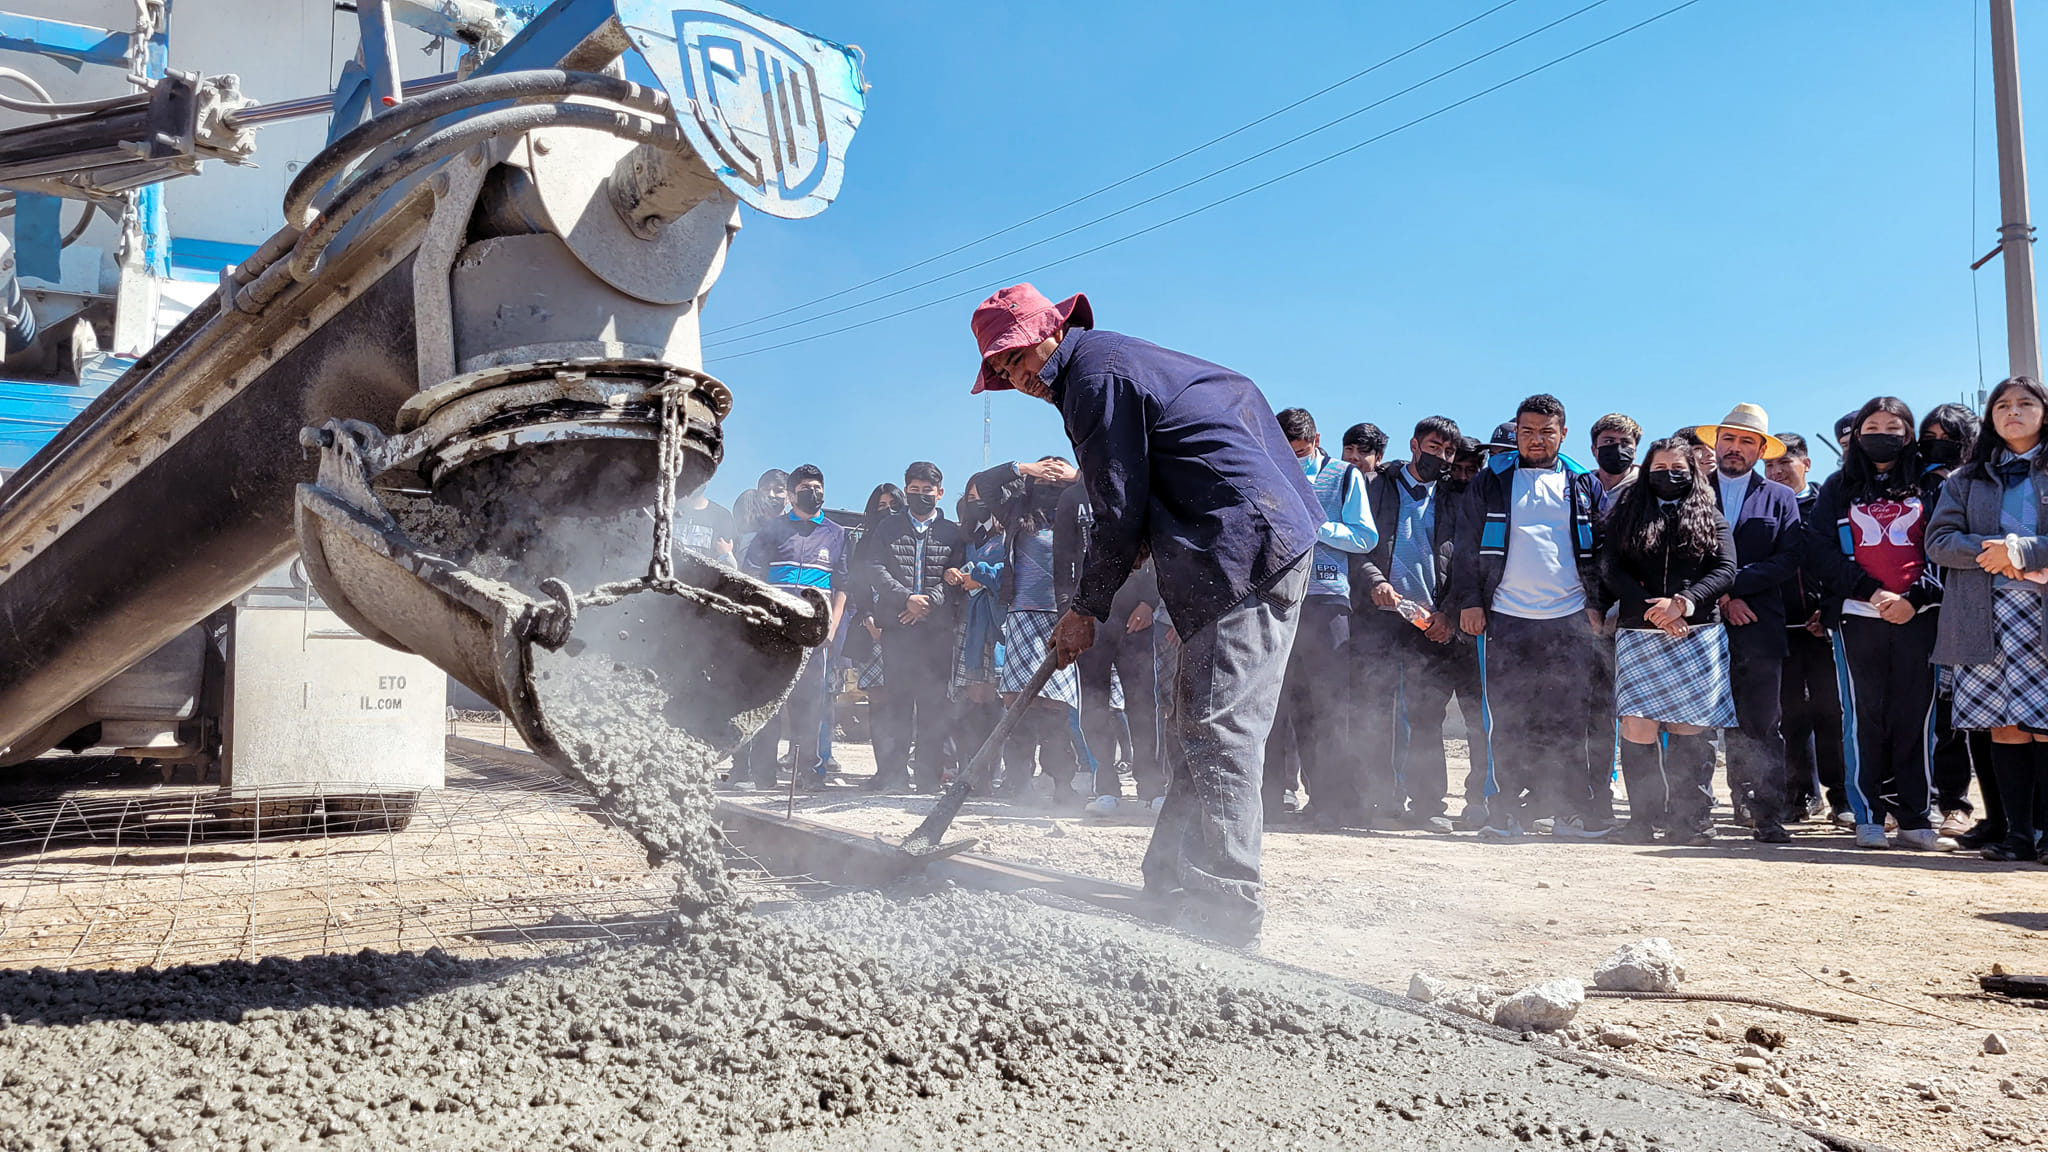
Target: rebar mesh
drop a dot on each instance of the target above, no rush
(503, 861)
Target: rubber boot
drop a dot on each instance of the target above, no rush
(1649, 800)
(1989, 828)
(1689, 767)
(2018, 768)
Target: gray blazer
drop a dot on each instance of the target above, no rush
(1965, 517)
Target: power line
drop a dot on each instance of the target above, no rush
(1181, 187)
(1174, 159)
(951, 296)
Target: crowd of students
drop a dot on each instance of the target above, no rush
(1859, 648)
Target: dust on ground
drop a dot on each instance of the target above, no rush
(1896, 938)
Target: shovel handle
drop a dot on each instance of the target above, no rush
(925, 840)
(983, 765)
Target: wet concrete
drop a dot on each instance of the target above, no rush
(949, 1020)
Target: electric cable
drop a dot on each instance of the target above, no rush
(1113, 185)
(990, 286)
(1182, 187)
(50, 105)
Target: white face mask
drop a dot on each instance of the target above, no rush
(1308, 465)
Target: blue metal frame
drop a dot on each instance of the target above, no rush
(77, 44)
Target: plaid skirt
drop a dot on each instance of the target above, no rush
(2012, 689)
(1681, 680)
(1026, 638)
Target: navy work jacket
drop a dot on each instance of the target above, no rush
(1185, 456)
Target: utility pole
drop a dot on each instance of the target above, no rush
(2015, 234)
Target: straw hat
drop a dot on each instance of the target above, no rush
(1747, 418)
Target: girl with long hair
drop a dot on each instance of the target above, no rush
(1867, 548)
(1989, 534)
(1668, 558)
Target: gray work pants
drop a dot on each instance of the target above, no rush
(1206, 843)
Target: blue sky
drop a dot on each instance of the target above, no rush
(1760, 200)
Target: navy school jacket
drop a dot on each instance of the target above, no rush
(1185, 457)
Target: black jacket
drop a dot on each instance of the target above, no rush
(1480, 554)
(1769, 540)
(1073, 528)
(1800, 596)
(891, 555)
(1829, 563)
(1383, 497)
(1011, 499)
(1633, 582)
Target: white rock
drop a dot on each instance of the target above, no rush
(1748, 1065)
(1478, 1002)
(1617, 1036)
(1543, 1007)
(1424, 987)
(1647, 965)
(1996, 1045)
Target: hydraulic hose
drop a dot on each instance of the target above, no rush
(364, 190)
(299, 209)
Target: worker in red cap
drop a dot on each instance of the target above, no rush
(1183, 460)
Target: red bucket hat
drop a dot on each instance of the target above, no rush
(1018, 317)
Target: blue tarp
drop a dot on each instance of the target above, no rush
(30, 414)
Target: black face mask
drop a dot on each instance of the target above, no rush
(921, 503)
(805, 502)
(1615, 457)
(1456, 486)
(1669, 485)
(973, 512)
(1882, 447)
(1431, 468)
(1940, 453)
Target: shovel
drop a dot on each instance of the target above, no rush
(925, 842)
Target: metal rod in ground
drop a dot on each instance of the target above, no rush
(925, 840)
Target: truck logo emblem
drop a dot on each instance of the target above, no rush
(770, 109)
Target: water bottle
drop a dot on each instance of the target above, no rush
(1413, 613)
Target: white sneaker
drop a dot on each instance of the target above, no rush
(1574, 828)
(1509, 829)
(1291, 800)
(1083, 783)
(1925, 839)
(1100, 806)
(1844, 819)
(1871, 836)
(1158, 805)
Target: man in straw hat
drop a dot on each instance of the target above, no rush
(1183, 460)
(1765, 517)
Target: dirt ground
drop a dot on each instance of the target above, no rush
(1894, 938)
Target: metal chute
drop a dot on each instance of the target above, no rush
(537, 522)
